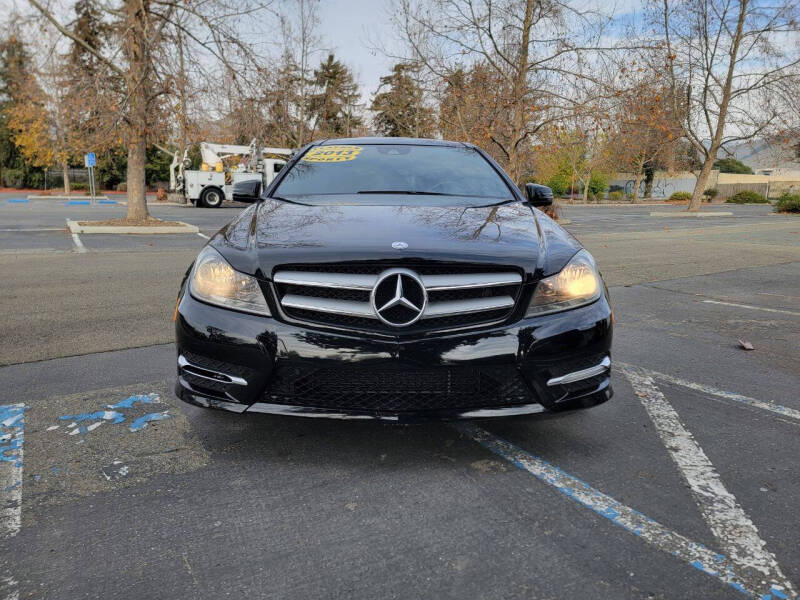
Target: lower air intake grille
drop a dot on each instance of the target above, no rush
(384, 390)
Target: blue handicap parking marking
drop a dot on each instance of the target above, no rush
(17, 200)
(106, 201)
(78, 202)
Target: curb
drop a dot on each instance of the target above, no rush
(691, 214)
(615, 204)
(74, 227)
(125, 203)
(67, 198)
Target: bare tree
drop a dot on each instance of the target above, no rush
(538, 51)
(646, 131)
(138, 52)
(725, 59)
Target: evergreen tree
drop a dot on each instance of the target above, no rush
(333, 106)
(14, 62)
(89, 28)
(399, 109)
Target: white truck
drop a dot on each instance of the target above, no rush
(213, 182)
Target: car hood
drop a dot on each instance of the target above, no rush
(274, 232)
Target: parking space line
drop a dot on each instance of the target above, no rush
(695, 554)
(79, 247)
(778, 409)
(32, 230)
(12, 435)
(731, 526)
(204, 236)
(751, 307)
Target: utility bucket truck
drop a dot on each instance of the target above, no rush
(214, 181)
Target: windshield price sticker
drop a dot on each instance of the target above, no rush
(332, 154)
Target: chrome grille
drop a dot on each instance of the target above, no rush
(340, 295)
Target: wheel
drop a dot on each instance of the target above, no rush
(211, 198)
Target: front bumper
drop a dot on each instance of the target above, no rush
(247, 363)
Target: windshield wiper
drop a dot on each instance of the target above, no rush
(410, 192)
(282, 199)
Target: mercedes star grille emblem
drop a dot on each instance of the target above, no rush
(399, 298)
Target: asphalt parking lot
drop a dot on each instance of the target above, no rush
(684, 485)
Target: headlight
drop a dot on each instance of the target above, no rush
(576, 284)
(214, 281)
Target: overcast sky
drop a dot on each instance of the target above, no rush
(351, 28)
(348, 26)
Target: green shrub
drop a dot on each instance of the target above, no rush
(616, 196)
(559, 183)
(598, 183)
(79, 186)
(747, 197)
(680, 197)
(13, 178)
(34, 179)
(711, 193)
(122, 187)
(788, 203)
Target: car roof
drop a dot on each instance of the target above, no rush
(390, 140)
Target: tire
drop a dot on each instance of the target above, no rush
(211, 198)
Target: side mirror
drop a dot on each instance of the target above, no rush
(538, 195)
(247, 191)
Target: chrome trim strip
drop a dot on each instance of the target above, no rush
(464, 281)
(598, 369)
(214, 403)
(364, 309)
(433, 283)
(328, 305)
(466, 306)
(343, 281)
(233, 379)
(306, 411)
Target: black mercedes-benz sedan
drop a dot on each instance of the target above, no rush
(396, 279)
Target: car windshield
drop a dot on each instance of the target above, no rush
(370, 169)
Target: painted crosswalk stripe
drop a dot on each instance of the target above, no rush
(778, 409)
(729, 523)
(695, 554)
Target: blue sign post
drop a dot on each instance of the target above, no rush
(89, 160)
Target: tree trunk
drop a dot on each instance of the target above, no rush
(137, 200)
(586, 188)
(649, 176)
(65, 170)
(138, 120)
(519, 94)
(716, 142)
(702, 179)
(636, 183)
